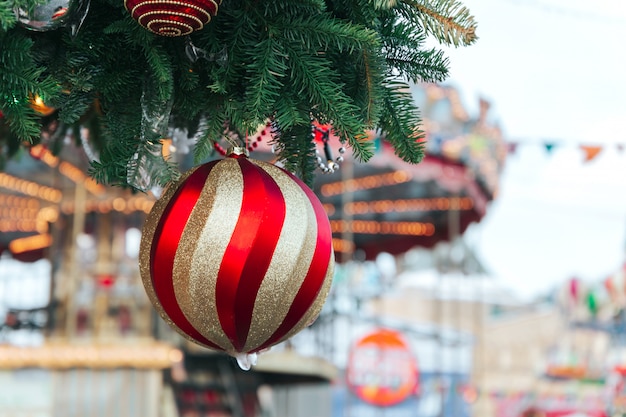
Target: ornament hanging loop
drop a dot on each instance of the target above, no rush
(237, 151)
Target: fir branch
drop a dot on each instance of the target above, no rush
(448, 20)
(291, 112)
(213, 130)
(313, 78)
(296, 150)
(290, 61)
(321, 33)
(75, 106)
(418, 66)
(161, 70)
(400, 122)
(20, 80)
(7, 15)
(266, 73)
(22, 120)
(384, 4)
(402, 42)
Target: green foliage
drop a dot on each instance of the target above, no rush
(448, 20)
(344, 62)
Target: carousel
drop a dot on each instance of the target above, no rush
(388, 205)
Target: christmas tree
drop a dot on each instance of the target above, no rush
(341, 62)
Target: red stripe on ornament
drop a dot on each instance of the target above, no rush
(209, 5)
(165, 242)
(249, 251)
(314, 279)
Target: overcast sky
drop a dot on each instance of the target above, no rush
(555, 71)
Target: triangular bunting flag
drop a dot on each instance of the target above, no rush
(549, 146)
(590, 151)
(511, 148)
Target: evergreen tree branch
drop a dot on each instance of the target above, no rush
(296, 150)
(335, 61)
(313, 78)
(265, 83)
(400, 122)
(21, 80)
(7, 15)
(215, 126)
(448, 20)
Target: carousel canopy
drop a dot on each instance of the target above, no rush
(385, 204)
(388, 205)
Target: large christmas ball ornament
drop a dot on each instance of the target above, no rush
(172, 17)
(237, 255)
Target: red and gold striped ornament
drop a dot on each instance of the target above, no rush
(237, 255)
(172, 17)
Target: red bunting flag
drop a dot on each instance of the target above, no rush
(609, 285)
(511, 148)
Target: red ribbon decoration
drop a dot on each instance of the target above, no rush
(249, 252)
(164, 245)
(314, 279)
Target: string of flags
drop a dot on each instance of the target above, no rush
(589, 151)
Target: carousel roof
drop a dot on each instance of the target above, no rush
(382, 205)
(388, 205)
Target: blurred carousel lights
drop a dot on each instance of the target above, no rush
(41, 153)
(23, 214)
(68, 169)
(366, 183)
(343, 245)
(30, 188)
(371, 227)
(118, 204)
(30, 243)
(77, 176)
(416, 204)
(17, 201)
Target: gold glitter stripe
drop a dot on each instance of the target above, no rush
(290, 261)
(147, 236)
(318, 304)
(203, 244)
(158, 12)
(168, 30)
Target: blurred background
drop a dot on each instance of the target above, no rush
(489, 280)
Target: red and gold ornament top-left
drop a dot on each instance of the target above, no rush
(237, 255)
(172, 17)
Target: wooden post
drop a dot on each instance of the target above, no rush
(74, 275)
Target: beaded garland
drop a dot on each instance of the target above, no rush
(172, 17)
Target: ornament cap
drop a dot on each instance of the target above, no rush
(237, 151)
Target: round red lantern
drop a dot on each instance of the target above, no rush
(237, 255)
(172, 17)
